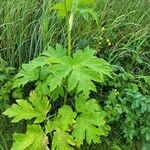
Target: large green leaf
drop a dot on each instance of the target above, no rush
(58, 52)
(58, 73)
(63, 120)
(82, 6)
(73, 73)
(87, 68)
(81, 71)
(90, 124)
(66, 117)
(34, 139)
(34, 69)
(27, 74)
(62, 140)
(37, 108)
(60, 126)
(83, 105)
(81, 80)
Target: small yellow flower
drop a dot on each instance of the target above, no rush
(117, 93)
(109, 44)
(100, 43)
(108, 41)
(100, 38)
(103, 29)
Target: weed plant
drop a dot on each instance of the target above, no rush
(120, 32)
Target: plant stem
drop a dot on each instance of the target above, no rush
(4, 141)
(69, 42)
(65, 96)
(69, 26)
(68, 23)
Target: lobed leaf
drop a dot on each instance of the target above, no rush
(74, 6)
(60, 126)
(34, 139)
(63, 121)
(37, 108)
(62, 139)
(81, 71)
(59, 70)
(90, 124)
(31, 72)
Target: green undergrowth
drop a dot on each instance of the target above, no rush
(119, 31)
(27, 28)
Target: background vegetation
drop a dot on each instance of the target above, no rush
(121, 35)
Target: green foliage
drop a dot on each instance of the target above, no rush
(6, 83)
(80, 70)
(87, 123)
(7, 96)
(62, 121)
(34, 26)
(37, 107)
(53, 71)
(131, 108)
(61, 125)
(90, 124)
(33, 139)
(62, 139)
(68, 128)
(121, 36)
(72, 6)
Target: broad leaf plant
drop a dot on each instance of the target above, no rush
(60, 112)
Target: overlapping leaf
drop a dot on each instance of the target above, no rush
(63, 120)
(87, 68)
(33, 70)
(80, 70)
(62, 139)
(58, 73)
(90, 124)
(27, 74)
(34, 139)
(80, 6)
(61, 125)
(37, 108)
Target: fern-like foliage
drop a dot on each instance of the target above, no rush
(80, 70)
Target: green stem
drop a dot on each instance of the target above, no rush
(69, 42)
(65, 97)
(4, 141)
(68, 29)
(69, 47)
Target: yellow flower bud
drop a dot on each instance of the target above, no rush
(103, 29)
(107, 40)
(109, 44)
